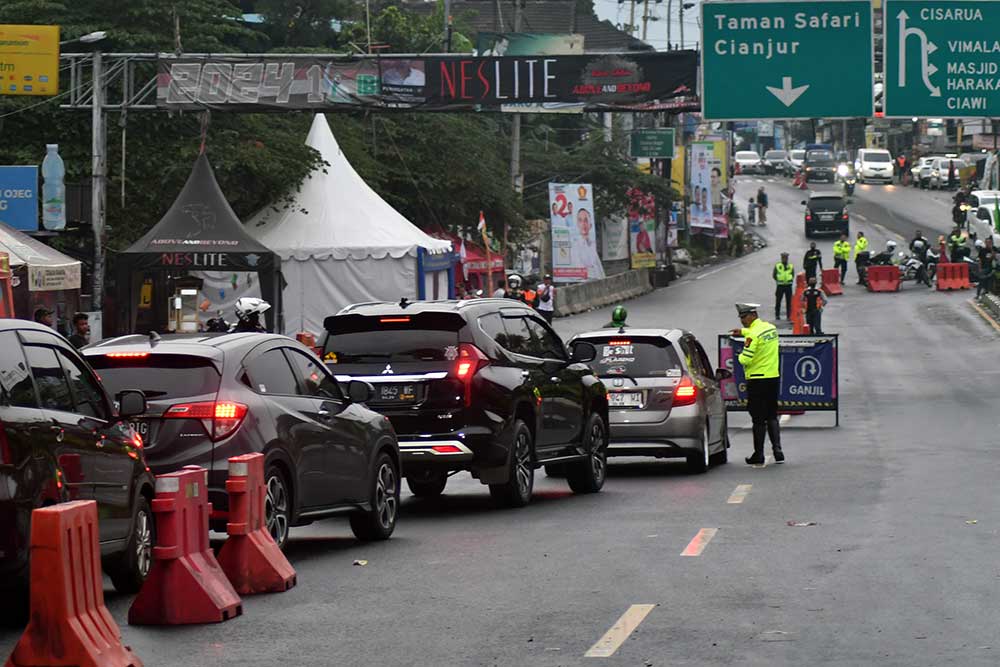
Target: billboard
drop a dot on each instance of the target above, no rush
(614, 241)
(601, 82)
(574, 243)
(642, 228)
(19, 198)
(700, 186)
(29, 59)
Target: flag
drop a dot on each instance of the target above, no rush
(462, 256)
(996, 215)
(481, 227)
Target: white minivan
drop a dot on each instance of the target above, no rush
(873, 164)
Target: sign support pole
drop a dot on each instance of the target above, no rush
(98, 164)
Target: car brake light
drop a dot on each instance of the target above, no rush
(127, 355)
(845, 215)
(808, 218)
(470, 360)
(394, 320)
(221, 418)
(619, 342)
(446, 449)
(686, 392)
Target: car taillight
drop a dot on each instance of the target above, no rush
(845, 215)
(808, 218)
(221, 418)
(686, 393)
(470, 360)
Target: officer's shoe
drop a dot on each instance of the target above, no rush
(779, 456)
(755, 460)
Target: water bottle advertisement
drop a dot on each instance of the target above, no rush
(53, 190)
(19, 197)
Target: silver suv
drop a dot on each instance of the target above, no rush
(664, 399)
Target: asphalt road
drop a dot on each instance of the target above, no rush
(899, 568)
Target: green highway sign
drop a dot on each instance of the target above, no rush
(658, 143)
(942, 58)
(786, 59)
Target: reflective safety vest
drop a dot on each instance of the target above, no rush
(955, 242)
(841, 249)
(784, 274)
(760, 354)
(861, 245)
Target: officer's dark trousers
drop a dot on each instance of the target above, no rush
(779, 292)
(815, 321)
(762, 403)
(842, 265)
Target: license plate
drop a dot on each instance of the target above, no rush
(397, 393)
(625, 399)
(142, 428)
(826, 217)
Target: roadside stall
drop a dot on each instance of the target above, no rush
(200, 232)
(40, 276)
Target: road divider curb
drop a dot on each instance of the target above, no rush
(69, 623)
(186, 584)
(572, 299)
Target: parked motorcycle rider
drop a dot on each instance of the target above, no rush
(887, 256)
(956, 242)
(919, 246)
(248, 312)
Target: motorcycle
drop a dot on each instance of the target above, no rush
(911, 268)
(849, 184)
(847, 176)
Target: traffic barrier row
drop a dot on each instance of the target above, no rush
(831, 282)
(883, 278)
(953, 276)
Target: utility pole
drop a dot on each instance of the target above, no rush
(98, 193)
(670, 9)
(515, 141)
(645, 18)
(680, 16)
(447, 26)
(631, 18)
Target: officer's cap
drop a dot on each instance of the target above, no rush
(746, 308)
(784, 254)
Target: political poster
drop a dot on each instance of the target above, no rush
(574, 239)
(19, 197)
(642, 228)
(808, 369)
(700, 187)
(615, 239)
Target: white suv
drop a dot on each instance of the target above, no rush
(873, 164)
(982, 207)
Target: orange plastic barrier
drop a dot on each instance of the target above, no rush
(831, 282)
(185, 584)
(883, 278)
(250, 557)
(69, 623)
(800, 280)
(953, 276)
(798, 312)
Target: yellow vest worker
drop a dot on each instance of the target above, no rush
(842, 250)
(860, 246)
(784, 273)
(784, 276)
(761, 366)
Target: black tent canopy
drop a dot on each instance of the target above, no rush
(200, 232)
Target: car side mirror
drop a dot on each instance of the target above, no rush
(131, 403)
(583, 353)
(359, 391)
(722, 374)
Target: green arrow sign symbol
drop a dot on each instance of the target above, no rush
(786, 93)
(927, 47)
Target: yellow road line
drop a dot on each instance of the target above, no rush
(740, 494)
(983, 314)
(700, 541)
(619, 632)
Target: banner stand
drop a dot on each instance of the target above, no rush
(810, 374)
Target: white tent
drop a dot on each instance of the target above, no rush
(340, 243)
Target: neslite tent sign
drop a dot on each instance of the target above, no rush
(628, 82)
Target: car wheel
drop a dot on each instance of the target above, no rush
(699, 461)
(722, 456)
(588, 476)
(431, 486)
(516, 491)
(132, 567)
(379, 522)
(277, 505)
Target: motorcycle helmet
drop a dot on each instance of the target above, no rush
(890, 245)
(980, 244)
(618, 316)
(514, 281)
(247, 307)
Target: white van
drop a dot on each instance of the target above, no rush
(873, 164)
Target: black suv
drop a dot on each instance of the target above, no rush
(820, 165)
(483, 385)
(62, 439)
(216, 396)
(826, 213)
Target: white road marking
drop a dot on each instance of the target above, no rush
(700, 541)
(619, 632)
(886, 232)
(860, 217)
(739, 494)
(722, 268)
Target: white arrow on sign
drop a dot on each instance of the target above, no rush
(786, 93)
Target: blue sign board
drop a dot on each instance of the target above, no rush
(808, 373)
(19, 197)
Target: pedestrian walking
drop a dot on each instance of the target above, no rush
(861, 256)
(988, 264)
(752, 212)
(81, 330)
(814, 301)
(547, 299)
(762, 205)
(760, 362)
(812, 261)
(44, 316)
(956, 244)
(841, 254)
(784, 276)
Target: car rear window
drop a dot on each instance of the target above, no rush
(819, 156)
(159, 376)
(826, 203)
(798, 155)
(774, 155)
(747, 155)
(877, 157)
(424, 337)
(635, 357)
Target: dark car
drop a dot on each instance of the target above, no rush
(820, 165)
(664, 399)
(482, 385)
(63, 439)
(212, 397)
(826, 213)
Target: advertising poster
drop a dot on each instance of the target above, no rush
(719, 174)
(614, 241)
(642, 228)
(19, 197)
(574, 239)
(700, 187)
(677, 170)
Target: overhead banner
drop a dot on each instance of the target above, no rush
(808, 368)
(606, 82)
(574, 243)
